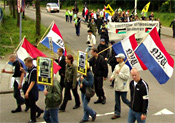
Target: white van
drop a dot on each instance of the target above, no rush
(52, 7)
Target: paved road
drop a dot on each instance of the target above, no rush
(161, 96)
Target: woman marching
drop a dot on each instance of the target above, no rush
(70, 82)
(84, 82)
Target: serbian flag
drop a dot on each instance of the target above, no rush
(127, 46)
(54, 40)
(155, 57)
(28, 50)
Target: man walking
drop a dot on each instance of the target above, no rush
(139, 98)
(32, 92)
(77, 25)
(91, 41)
(92, 26)
(17, 79)
(173, 24)
(121, 74)
(62, 64)
(100, 70)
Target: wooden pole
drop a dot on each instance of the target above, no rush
(45, 33)
(15, 53)
(100, 52)
(132, 52)
(19, 44)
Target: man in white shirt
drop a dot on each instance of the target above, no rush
(91, 41)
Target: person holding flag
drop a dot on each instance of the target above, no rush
(121, 74)
(17, 81)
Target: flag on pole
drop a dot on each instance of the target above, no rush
(28, 50)
(146, 7)
(109, 10)
(86, 11)
(127, 46)
(23, 6)
(57, 40)
(155, 57)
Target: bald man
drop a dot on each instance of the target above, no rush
(17, 79)
(139, 98)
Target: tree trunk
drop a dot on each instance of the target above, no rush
(170, 6)
(4, 4)
(14, 6)
(38, 17)
(10, 7)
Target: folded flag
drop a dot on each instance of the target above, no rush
(155, 57)
(54, 40)
(127, 46)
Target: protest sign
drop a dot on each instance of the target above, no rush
(44, 71)
(120, 30)
(82, 62)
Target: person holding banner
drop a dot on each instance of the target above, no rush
(17, 81)
(32, 92)
(100, 70)
(121, 74)
(84, 82)
(70, 82)
(139, 91)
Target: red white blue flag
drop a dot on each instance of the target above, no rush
(54, 40)
(28, 50)
(127, 46)
(155, 57)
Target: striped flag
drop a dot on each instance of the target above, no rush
(28, 50)
(155, 57)
(127, 46)
(54, 40)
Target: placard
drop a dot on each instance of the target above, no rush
(82, 62)
(44, 71)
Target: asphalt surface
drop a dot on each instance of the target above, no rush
(161, 96)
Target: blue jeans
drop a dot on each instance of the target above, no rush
(87, 110)
(132, 116)
(117, 101)
(51, 115)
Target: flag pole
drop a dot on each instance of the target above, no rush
(45, 33)
(15, 52)
(132, 52)
(19, 44)
(100, 52)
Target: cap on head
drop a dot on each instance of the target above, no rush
(102, 40)
(120, 55)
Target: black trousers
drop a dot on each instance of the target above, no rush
(67, 95)
(17, 94)
(33, 107)
(24, 88)
(113, 67)
(173, 33)
(67, 18)
(62, 81)
(98, 80)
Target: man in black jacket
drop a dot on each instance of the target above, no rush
(102, 46)
(104, 34)
(100, 70)
(62, 64)
(139, 98)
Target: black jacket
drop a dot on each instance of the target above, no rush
(112, 60)
(62, 64)
(99, 66)
(139, 96)
(100, 48)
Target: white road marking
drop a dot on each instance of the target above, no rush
(164, 112)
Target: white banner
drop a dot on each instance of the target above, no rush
(120, 30)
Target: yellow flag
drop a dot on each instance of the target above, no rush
(146, 7)
(109, 10)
